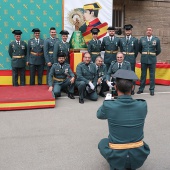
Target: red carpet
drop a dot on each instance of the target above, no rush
(25, 97)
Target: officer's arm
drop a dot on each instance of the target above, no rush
(129, 66)
(101, 113)
(55, 52)
(25, 51)
(51, 74)
(105, 72)
(103, 45)
(46, 54)
(10, 50)
(28, 51)
(140, 45)
(121, 46)
(158, 47)
(79, 74)
(89, 47)
(95, 78)
(70, 72)
(136, 47)
(109, 73)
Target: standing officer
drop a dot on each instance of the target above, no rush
(129, 47)
(35, 57)
(124, 148)
(94, 45)
(62, 46)
(86, 79)
(62, 76)
(101, 72)
(149, 47)
(17, 51)
(120, 63)
(110, 45)
(48, 49)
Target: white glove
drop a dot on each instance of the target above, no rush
(91, 85)
(109, 83)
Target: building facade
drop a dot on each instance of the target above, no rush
(144, 13)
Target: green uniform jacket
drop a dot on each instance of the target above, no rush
(94, 46)
(59, 46)
(114, 67)
(108, 45)
(87, 73)
(126, 118)
(49, 47)
(18, 50)
(152, 46)
(102, 71)
(131, 46)
(36, 48)
(60, 73)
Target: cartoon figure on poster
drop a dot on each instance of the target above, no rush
(86, 18)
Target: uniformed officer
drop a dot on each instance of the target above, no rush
(48, 49)
(110, 45)
(86, 79)
(149, 47)
(62, 76)
(101, 72)
(120, 63)
(62, 46)
(17, 51)
(124, 148)
(35, 57)
(94, 45)
(129, 47)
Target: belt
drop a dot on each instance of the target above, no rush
(61, 80)
(111, 52)
(18, 56)
(126, 145)
(36, 54)
(127, 53)
(50, 52)
(149, 53)
(95, 52)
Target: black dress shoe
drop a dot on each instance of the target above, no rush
(139, 92)
(102, 95)
(81, 101)
(132, 93)
(71, 96)
(152, 93)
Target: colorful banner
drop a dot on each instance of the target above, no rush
(26, 15)
(85, 14)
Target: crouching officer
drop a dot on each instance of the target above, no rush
(86, 79)
(94, 46)
(124, 148)
(101, 72)
(17, 51)
(62, 76)
(35, 57)
(120, 63)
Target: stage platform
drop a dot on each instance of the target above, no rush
(25, 97)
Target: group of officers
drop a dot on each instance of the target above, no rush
(124, 148)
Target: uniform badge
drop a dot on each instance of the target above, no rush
(23, 47)
(66, 71)
(154, 42)
(132, 43)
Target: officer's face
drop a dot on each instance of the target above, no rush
(128, 32)
(87, 58)
(53, 33)
(120, 58)
(18, 37)
(95, 36)
(111, 32)
(87, 15)
(149, 31)
(99, 62)
(64, 37)
(61, 59)
(37, 34)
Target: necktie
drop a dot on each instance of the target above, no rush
(37, 41)
(96, 41)
(18, 42)
(127, 39)
(111, 38)
(148, 38)
(119, 66)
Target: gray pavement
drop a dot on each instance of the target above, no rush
(67, 136)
